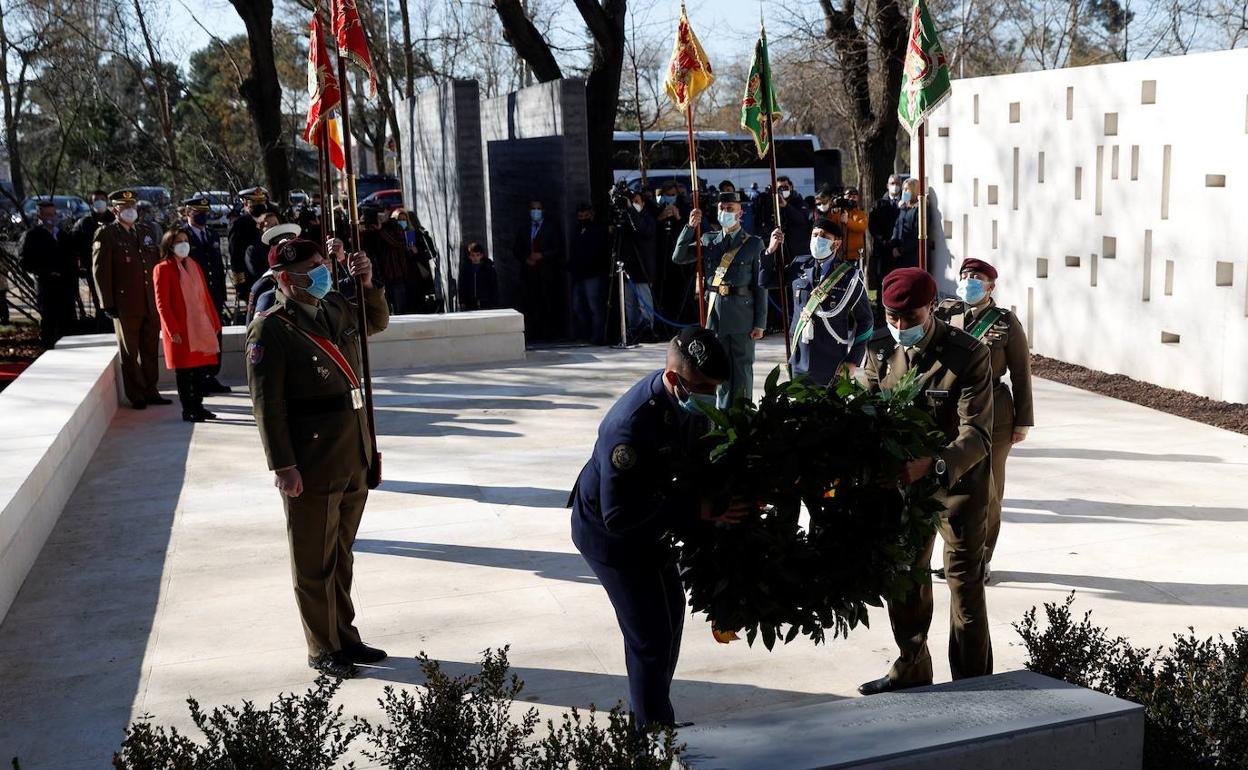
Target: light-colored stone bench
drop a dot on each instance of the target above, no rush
(52, 419)
(409, 342)
(1013, 721)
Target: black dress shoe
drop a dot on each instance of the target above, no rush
(213, 385)
(362, 653)
(204, 414)
(939, 572)
(192, 417)
(333, 665)
(138, 404)
(158, 401)
(885, 684)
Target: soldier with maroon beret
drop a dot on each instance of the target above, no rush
(957, 392)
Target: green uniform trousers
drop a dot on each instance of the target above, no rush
(970, 646)
(321, 525)
(1002, 432)
(740, 382)
(138, 340)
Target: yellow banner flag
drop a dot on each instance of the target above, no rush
(689, 73)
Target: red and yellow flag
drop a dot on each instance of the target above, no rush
(323, 94)
(334, 134)
(689, 72)
(352, 42)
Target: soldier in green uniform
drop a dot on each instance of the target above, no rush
(978, 314)
(303, 366)
(736, 308)
(957, 392)
(123, 256)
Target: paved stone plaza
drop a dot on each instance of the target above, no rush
(167, 575)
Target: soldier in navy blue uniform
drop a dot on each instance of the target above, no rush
(624, 503)
(830, 329)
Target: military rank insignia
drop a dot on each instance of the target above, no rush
(323, 372)
(255, 353)
(623, 457)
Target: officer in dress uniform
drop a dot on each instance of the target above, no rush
(303, 367)
(206, 251)
(736, 300)
(623, 504)
(832, 318)
(978, 314)
(957, 392)
(243, 232)
(123, 255)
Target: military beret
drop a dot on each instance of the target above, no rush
(703, 349)
(122, 197)
(198, 202)
(254, 194)
(293, 251)
(729, 197)
(978, 266)
(908, 288)
(828, 226)
(280, 234)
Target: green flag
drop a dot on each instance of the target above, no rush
(925, 77)
(760, 98)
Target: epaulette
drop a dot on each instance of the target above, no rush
(949, 304)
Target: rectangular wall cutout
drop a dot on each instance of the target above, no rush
(975, 109)
(1147, 294)
(1100, 178)
(975, 192)
(1224, 274)
(1070, 102)
(994, 233)
(1042, 267)
(966, 232)
(1078, 183)
(1135, 163)
(1169, 287)
(1014, 197)
(1072, 261)
(1165, 183)
(1095, 263)
(1169, 338)
(1016, 112)
(1148, 92)
(1113, 163)
(948, 173)
(943, 131)
(992, 195)
(1215, 180)
(1109, 247)
(1111, 124)
(1031, 326)
(1040, 168)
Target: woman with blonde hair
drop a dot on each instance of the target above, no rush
(188, 322)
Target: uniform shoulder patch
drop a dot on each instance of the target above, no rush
(624, 457)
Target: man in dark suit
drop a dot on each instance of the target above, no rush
(538, 248)
(46, 252)
(206, 251)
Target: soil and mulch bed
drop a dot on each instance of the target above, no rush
(1219, 414)
(19, 347)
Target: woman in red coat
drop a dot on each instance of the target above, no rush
(188, 322)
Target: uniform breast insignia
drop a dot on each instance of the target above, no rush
(623, 457)
(255, 353)
(323, 372)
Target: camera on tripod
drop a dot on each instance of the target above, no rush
(621, 201)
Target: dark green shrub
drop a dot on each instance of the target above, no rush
(1194, 693)
(297, 732)
(584, 744)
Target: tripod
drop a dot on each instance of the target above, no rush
(617, 285)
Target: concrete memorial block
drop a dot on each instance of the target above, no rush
(1014, 721)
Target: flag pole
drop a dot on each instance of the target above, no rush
(693, 184)
(322, 171)
(922, 198)
(768, 108)
(354, 232)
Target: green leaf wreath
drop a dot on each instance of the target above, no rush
(837, 451)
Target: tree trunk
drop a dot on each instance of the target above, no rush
(527, 41)
(14, 96)
(263, 93)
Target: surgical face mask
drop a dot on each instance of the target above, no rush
(535, 215)
(689, 401)
(638, 207)
(200, 219)
(905, 196)
(182, 249)
(727, 219)
(319, 280)
(907, 337)
(893, 189)
(971, 291)
(785, 193)
(820, 247)
(667, 200)
(402, 223)
(128, 215)
(99, 206)
(823, 207)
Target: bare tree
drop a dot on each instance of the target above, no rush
(263, 92)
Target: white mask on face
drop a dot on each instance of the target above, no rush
(784, 194)
(182, 249)
(128, 215)
(638, 207)
(894, 189)
(824, 207)
(99, 206)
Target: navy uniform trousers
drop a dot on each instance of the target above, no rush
(621, 507)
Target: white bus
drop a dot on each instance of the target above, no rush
(720, 156)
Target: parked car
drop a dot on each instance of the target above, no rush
(68, 207)
(218, 206)
(162, 202)
(381, 202)
(370, 183)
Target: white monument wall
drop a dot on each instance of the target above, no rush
(1114, 201)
